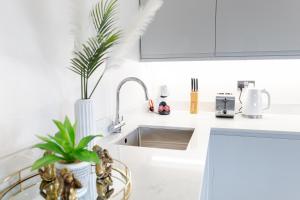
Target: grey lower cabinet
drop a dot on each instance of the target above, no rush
(182, 29)
(248, 165)
(258, 28)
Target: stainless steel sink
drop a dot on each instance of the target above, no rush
(159, 137)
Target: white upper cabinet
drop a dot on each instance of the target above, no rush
(182, 29)
(258, 28)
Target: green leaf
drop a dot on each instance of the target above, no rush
(51, 146)
(87, 156)
(62, 143)
(45, 160)
(63, 132)
(43, 138)
(57, 139)
(86, 140)
(58, 135)
(70, 130)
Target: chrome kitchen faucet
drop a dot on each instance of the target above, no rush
(119, 122)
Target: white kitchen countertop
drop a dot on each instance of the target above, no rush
(163, 174)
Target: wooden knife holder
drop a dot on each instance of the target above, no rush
(194, 103)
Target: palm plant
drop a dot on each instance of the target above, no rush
(94, 53)
(64, 148)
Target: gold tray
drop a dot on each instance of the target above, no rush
(24, 184)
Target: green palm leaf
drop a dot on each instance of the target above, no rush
(94, 52)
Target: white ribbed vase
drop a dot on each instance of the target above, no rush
(85, 119)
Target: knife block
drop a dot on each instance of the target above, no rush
(194, 103)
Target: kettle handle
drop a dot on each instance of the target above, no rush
(269, 99)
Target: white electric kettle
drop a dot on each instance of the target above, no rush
(253, 105)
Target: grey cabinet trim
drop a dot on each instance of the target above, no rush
(220, 58)
(256, 133)
(176, 56)
(259, 53)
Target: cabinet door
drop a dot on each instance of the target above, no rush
(258, 27)
(251, 167)
(180, 30)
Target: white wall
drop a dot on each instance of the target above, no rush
(280, 77)
(35, 85)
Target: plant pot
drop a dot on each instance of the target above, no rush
(81, 171)
(85, 119)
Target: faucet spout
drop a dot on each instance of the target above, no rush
(118, 123)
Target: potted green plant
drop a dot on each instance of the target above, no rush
(66, 153)
(90, 58)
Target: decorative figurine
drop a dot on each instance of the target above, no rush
(103, 193)
(103, 172)
(64, 186)
(50, 186)
(70, 184)
(50, 190)
(48, 173)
